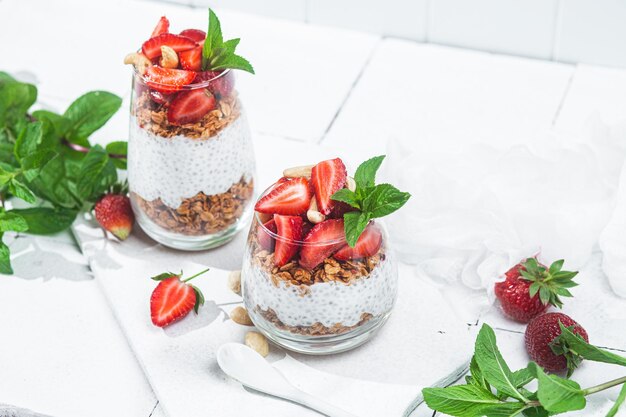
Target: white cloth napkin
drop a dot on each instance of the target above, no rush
(479, 208)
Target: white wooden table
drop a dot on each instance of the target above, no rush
(339, 92)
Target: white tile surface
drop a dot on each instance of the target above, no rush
(62, 353)
(283, 9)
(519, 27)
(438, 96)
(592, 32)
(398, 18)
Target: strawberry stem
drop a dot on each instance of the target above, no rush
(198, 274)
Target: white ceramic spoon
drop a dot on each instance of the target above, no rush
(252, 370)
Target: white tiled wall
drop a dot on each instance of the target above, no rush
(588, 31)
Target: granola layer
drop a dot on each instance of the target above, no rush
(316, 329)
(201, 214)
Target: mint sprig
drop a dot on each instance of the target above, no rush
(46, 160)
(370, 201)
(492, 390)
(218, 54)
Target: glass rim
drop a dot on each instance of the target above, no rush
(192, 86)
(276, 236)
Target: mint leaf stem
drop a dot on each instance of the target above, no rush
(606, 385)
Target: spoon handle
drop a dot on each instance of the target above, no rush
(321, 406)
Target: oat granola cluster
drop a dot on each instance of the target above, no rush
(316, 329)
(201, 214)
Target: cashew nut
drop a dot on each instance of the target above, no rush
(240, 316)
(313, 213)
(351, 184)
(234, 282)
(140, 62)
(257, 342)
(301, 171)
(169, 58)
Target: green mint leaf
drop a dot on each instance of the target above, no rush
(46, 220)
(523, 377)
(20, 190)
(469, 401)
(214, 37)
(59, 124)
(5, 78)
(29, 140)
(15, 100)
(477, 375)
(53, 184)
(31, 164)
(97, 174)
(492, 364)
(558, 395)
(354, 223)
(383, 199)
(536, 412)
(117, 149)
(365, 175)
(618, 402)
(89, 113)
(234, 62)
(577, 344)
(7, 173)
(13, 222)
(5, 258)
(218, 54)
(348, 197)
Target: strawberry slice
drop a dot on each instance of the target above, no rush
(167, 80)
(290, 198)
(152, 47)
(220, 85)
(190, 106)
(321, 242)
(196, 35)
(173, 298)
(368, 245)
(160, 98)
(327, 178)
(266, 241)
(162, 27)
(289, 228)
(191, 60)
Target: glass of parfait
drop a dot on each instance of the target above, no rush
(191, 163)
(307, 284)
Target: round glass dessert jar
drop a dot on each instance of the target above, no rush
(335, 306)
(190, 160)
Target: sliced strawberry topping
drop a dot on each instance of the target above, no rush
(339, 209)
(171, 300)
(196, 35)
(221, 86)
(266, 240)
(327, 177)
(289, 228)
(161, 98)
(152, 47)
(368, 245)
(191, 60)
(167, 80)
(162, 27)
(190, 106)
(290, 198)
(321, 242)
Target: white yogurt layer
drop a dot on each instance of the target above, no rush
(177, 168)
(328, 303)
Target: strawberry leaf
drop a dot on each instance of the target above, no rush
(165, 275)
(199, 298)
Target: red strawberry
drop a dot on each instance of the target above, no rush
(162, 27)
(196, 35)
(152, 47)
(265, 239)
(114, 213)
(339, 209)
(167, 80)
(191, 60)
(289, 228)
(290, 198)
(542, 342)
(327, 178)
(321, 242)
(222, 85)
(160, 98)
(368, 245)
(190, 106)
(530, 288)
(174, 298)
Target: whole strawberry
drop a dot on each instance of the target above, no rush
(174, 298)
(544, 345)
(114, 213)
(530, 288)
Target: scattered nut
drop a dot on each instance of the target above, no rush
(169, 58)
(139, 61)
(234, 281)
(240, 316)
(313, 214)
(351, 184)
(301, 171)
(258, 342)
